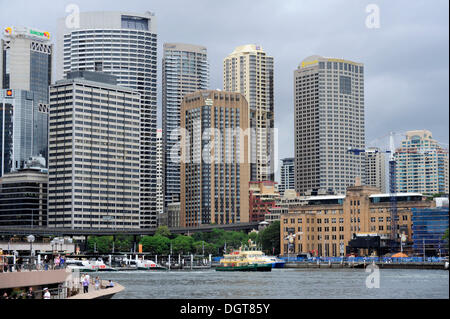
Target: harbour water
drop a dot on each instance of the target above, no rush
(283, 284)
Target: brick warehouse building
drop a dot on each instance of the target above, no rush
(328, 222)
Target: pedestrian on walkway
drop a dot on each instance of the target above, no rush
(97, 283)
(86, 284)
(56, 262)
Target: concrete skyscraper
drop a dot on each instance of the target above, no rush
(94, 153)
(250, 71)
(25, 74)
(185, 70)
(329, 119)
(215, 168)
(125, 45)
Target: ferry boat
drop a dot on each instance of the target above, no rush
(142, 264)
(80, 265)
(246, 259)
(87, 265)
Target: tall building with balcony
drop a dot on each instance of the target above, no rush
(94, 153)
(25, 73)
(215, 163)
(421, 164)
(375, 169)
(125, 45)
(287, 175)
(250, 71)
(329, 119)
(185, 70)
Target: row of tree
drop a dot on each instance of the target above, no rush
(214, 243)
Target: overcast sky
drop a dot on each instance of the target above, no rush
(406, 59)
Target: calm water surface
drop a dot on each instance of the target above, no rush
(281, 284)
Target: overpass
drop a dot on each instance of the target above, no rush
(61, 232)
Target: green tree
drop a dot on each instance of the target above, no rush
(269, 238)
(101, 245)
(163, 231)
(182, 245)
(157, 244)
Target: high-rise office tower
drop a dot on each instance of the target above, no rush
(329, 119)
(250, 71)
(215, 159)
(124, 45)
(94, 153)
(287, 175)
(185, 70)
(421, 164)
(159, 176)
(375, 169)
(25, 67)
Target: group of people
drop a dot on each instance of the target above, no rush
(20, 295)
(85, 281)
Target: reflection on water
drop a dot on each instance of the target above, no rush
(282, 284)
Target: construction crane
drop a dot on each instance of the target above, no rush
(392, 183)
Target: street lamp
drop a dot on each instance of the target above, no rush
(31, 240)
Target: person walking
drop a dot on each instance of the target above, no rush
(62, 261)
(86, 284)
(56, 262)
(97, 283)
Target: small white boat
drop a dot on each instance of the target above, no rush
(142, 264)
(80, 265)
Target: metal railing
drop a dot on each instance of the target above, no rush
(366, 259)
(30, 267)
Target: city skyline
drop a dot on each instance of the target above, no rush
(396, 87)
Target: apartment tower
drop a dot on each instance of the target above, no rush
(215, 163)
(421, 164)
(250, 71)
(185, 71)
(376, 168)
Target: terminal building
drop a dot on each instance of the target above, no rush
(324, 225)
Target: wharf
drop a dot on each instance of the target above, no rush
(304, 265)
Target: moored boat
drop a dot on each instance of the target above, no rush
(246, 259)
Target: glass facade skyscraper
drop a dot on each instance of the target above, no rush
(287, 175)
(25, 68)
(185, 71)
(124, 45)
